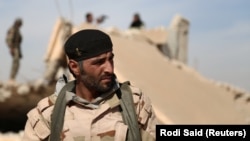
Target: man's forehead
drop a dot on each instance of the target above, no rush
(103, 55)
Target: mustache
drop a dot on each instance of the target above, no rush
(107, 76)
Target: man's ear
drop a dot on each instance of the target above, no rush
(74, 67)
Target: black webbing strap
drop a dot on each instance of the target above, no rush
(57, 117)
(128, 112)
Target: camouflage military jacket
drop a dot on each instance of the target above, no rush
(13, 37)
(86, 124)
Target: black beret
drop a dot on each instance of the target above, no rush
(86, 44)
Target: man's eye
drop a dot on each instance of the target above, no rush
(99, 62)
(111, 58)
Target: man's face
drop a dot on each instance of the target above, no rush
(90, 19)
(98, 72)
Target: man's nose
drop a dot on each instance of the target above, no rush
(109, 67)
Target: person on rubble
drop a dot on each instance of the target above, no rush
(14, 40)
(137, 22)
(90, 22)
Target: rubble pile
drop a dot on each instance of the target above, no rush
(16, 101)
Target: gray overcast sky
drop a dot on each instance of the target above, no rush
(219, 37)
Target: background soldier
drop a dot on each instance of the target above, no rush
(14, 39)
(137, 22)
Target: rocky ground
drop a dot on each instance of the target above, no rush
(16, 101)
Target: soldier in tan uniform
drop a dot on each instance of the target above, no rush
(92, 109)
(13, 40)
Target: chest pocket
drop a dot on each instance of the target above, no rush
(108, 127)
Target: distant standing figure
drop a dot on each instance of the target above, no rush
(89, 18)
(13, 40)
(90, 22)
(137, 22)
(87, 24)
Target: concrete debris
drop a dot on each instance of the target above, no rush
(11, 136)
(4, 94)
(23, 89)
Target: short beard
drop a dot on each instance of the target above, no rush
(94, 84)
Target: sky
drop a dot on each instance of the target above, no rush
(219, 32)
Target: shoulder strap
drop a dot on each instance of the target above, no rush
(127, 106)
(57, 116)
(128, 112)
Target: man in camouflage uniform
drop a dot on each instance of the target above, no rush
(13, 40)
(93, 109)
